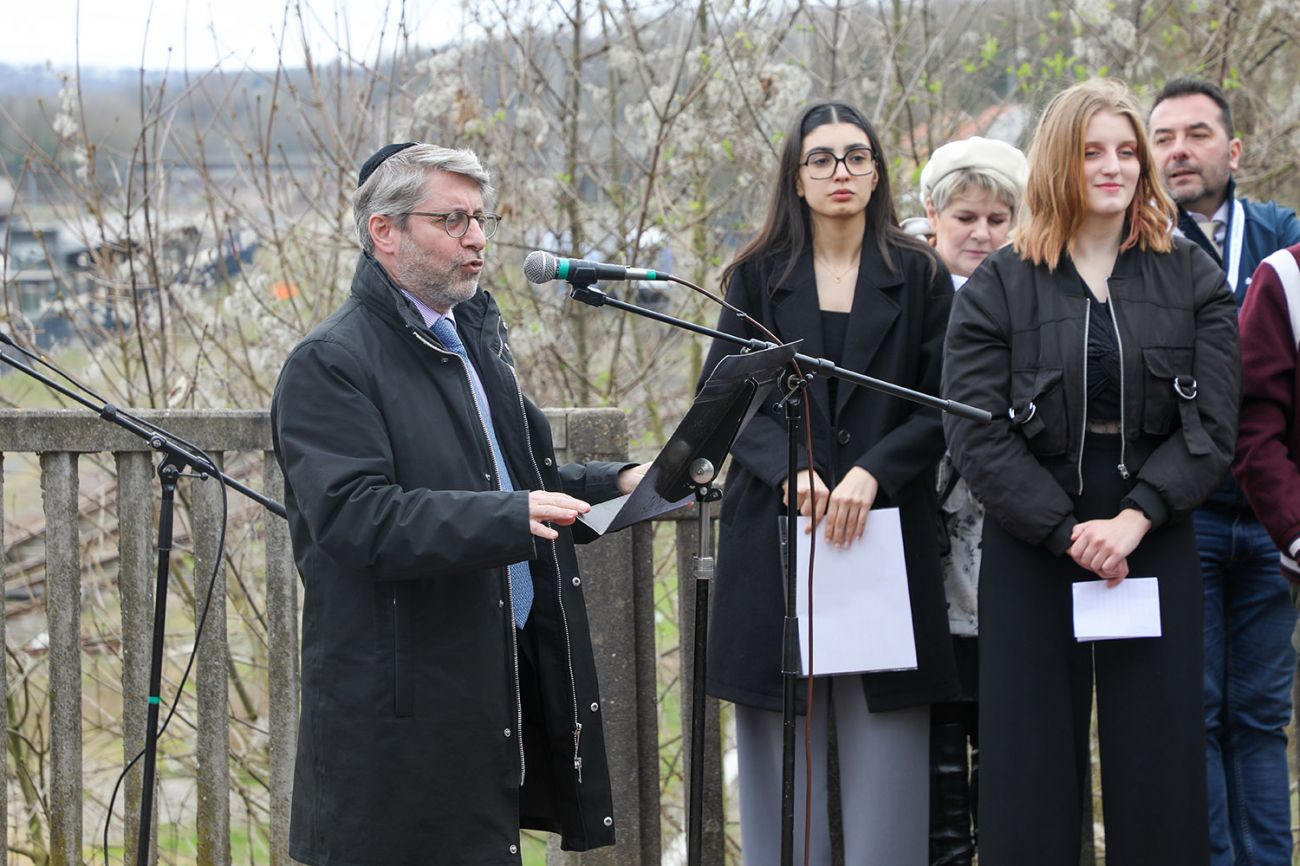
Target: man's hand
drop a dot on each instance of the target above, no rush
(545, 506)
(807, 496)
(628, 479)
(846, 518)
(1103, 546)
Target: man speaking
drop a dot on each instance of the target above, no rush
(1249, 661)
(448, 683)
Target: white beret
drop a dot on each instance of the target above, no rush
(981, 154)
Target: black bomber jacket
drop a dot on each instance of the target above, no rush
(1017, 346)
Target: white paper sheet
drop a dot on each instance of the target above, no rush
(862, 610)
(1130, 609)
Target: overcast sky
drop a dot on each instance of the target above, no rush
(199, 33)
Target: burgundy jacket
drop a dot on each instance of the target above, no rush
(1267, 464)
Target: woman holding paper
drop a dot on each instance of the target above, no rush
(1107, 352)
(831, 268)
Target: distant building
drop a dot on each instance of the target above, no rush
(40, 266)
(6, 199)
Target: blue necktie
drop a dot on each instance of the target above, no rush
(521, 578)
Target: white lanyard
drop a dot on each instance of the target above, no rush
(1233, 252)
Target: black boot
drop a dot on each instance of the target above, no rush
(950, 797)
(975, 786)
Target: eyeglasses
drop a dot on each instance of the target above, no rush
(858, 161)
(456, 222)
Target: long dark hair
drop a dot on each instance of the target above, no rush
(787, 228)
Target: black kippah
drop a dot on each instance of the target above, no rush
(377, 159)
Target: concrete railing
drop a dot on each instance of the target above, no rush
(620, 596)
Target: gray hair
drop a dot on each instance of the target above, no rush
(973, 181)
(397, 185)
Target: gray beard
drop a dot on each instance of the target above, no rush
(433, 286)
(444, 296)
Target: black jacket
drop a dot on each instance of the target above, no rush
(1016, 346)
(895, 333)
(409, 745)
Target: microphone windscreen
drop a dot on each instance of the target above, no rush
(540, 267)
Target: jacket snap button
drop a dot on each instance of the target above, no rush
(577, 581)
(506, 732)
(609, 822)
(844, 437)
(501, 602)
(547, 461)
(514, 849)
(595, 707)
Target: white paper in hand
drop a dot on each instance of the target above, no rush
(1130, 609)
(862, 608)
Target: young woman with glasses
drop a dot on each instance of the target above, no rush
(830, 267)
(1107, 352)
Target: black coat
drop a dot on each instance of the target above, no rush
(1016, 346)
(895, 333)
(409, 746)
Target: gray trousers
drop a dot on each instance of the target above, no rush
(884, 767)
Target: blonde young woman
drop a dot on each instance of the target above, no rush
(971, 189)
(1107, 352)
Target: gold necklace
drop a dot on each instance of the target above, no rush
(839, 278)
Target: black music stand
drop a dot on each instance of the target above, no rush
(686, 468)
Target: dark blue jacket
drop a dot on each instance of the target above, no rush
(1269, 228)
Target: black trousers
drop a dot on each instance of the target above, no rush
(1036, 693)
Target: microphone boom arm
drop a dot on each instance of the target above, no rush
(587, 293)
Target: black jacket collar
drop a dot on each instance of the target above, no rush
(1128, 267)
(797, 312)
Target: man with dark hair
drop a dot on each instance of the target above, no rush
(1249, 617)
(448, 680)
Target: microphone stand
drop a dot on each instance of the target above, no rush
(702, 473)
(791, 664)
(582, 288)
(178, 457)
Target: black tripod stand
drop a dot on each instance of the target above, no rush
(180, 459)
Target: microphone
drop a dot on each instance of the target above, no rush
(542, 267)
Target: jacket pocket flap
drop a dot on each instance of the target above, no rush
(1172, 367)
(1168, 362)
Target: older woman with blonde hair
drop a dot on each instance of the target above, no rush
(971, 189)
(1107, 351)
